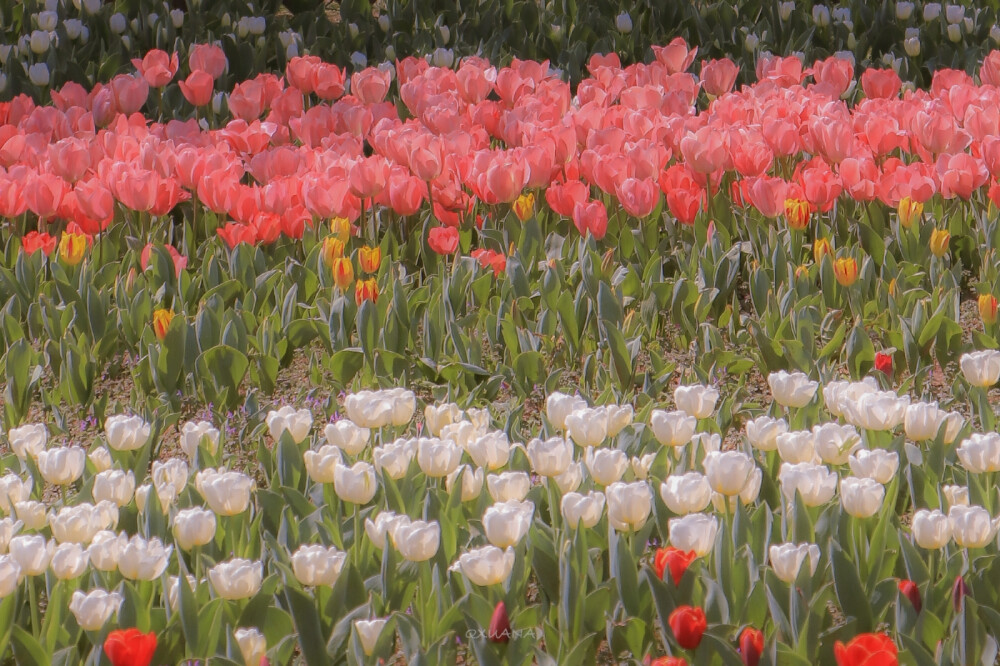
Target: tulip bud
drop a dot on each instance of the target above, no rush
(821, 248)
(369, 632)
(524, 206)
(904, 10)
(939, 242)
(366, 290)
(912, 46)
(751, 42)
(751, 646)
(384, 22)
(39, 42)
(370, 258)
(909, 211)
(955, 33)
(343, 272)
(499, 629)
(932, 10)
(72, 246)
(785, 10)
(883, 363)
(821, 15)
(674, 560)
(252, 644)
(623, 22)
(910, 590)
(988, 308)
(177, 18)
(845, 269)
(161, 322)
(688, 624)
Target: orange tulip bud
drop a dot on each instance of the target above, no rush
(988, 308)
(939, 242)
(370, 258)
(161, 322)
(845, 270)
(341, 228)
(524, 206)
(909, 210)
(72, 247)
(343, 272)
(366, 290)
(797, 213)
(821, 248)
(333, 248)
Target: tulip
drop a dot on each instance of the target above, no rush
(588, 427)
(126, 433)
(909, 210)
(883, 363)
(762, 432)
(688, 624)
(101, 459)
(114, 486)
(438, 416)
(931, 529)
(629, 505)
(729, 472)
(797, 214)
(227, 493)
(981, 368)
(910, 590)
(508, 486)
(797, 447)
(694, 532)
(79, 523)
(879, 411)
(253, 646)
(394, 459)
(130, 647)
(861, 498)
(93, 609)
(866, 649)
(170, 477)
(143, 560)
(366, 290)
(686, 493)
(904, 10)
(923, 420)
(524, 206)
(31, 514)
(939, 242)
(105, 550)
(506, 523)
(484, 566)
(580, 510)
(369, 632)
(471, 480)
(63, 465)
(355, 484)
(623, 23)
(606, 466)
(28, 440)
(834, 443)
(10, 576)
(491, 450)
(571, 479)
(698, 401)
(955, 494)
(236, 579)
(672, 428)
(343, 272)
(559, 406)
(32, 553)
(161, 322)
(287, 419)
(980, 453)
(317, 565)
(8, 528)
(194, 434)
(549, 457)
(369, 258)
(417, 541)
(69, 561)
(821, 248)
(988, 308)
(436, 457)
(791, 389)
(837, 394)
(674, 560)
(877, 464)
(787, 558)
(845, 269)
(347, 436)
(751, 646)
(385, 523)
(369, 409)
(815, 483)
(972, 526)
(194, 527)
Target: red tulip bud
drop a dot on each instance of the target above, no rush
(958, 592)
(883, 363)
(499, 631)
(751, 646)
(688, 624)
(910, 590)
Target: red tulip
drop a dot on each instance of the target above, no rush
(881, 83)
(718, 76)
(563, 198)
(130, 647)
(866, 650)
(157, 67)
(669, 661)
(591, 217)
(208, 58)
(370, 85)
(883, 363)
(34, 241)
(443, 240)
(197, 88)
(751, 646)
(674, 559)
(910, 590)
(688, 624)
(499, 630)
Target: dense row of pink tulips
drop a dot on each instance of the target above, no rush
(488, 134)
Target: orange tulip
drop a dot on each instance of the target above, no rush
(370, 258)
(343, 272)
(72, 247)
(909, 211)
(821, 248)
(988, 308)
(797, 213)
(366, 290)
(939, 242)
(524, 206)
(341, 228)
(845, 270)
(161, 322)
(333, 248)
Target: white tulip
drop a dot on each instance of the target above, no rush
(624, 23)
(296, 422)
(93, 609)
(587, 427)
(463, 433)
(13, 489)
(980, 453)
(798, 446)
(115, 486)
(972, 526)
(404, 404)
(698, 401)
(194, 527)
(619, 418)
(355, 484)
(582, 510)
(28, 440)
(317, 565)
(956, 495)
(437, 457)
(393, 460)
(571, 479)
(227, 493)
(32, 514)
(472, 481)
(629, 505)
(252, 644)
(236, 578)
(369, 409)
(8, 529)
(194, 435)
(438, 416)
(923, 420)
(69, 561)
(549, 457)
(79, 523)
(508, 486)
(904, 10)
(385, 523)
(793, 389)
(417, 541)
(368, 633)
(695, 531)
(835, 394)
(835, 443)
(32, 553)
(490, 451)
(100, 458)
(140, 559)
(126, 433)
(558, 406)
(815, 483)
(981, 368)
(762, 432)
(10, 576)
(321, 465)
(787, 558)
(876, 464)
(728, 472)
(686, 493)
(931, 529)
(672, 428)
(105, 550)
(861, 497)
(932, 10)
(881, 410)
(506, 523)
(347, 436)
(62, 465)
(606, 465)
(484, 566)
(640, 466)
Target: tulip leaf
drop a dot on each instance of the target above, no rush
(27, 650)
(851, 595)
(307, 625)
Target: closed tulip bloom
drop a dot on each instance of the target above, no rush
(296, 422)
(236, 579)
(931, 529)
(866, 649)
(126, 433)
(879, 411)
(587, 427)
(370, 258)
(31, 514)
(672, 428)
(227, 493)
(32, 553)
(571, 479)
(438, 416)
(686, 493)
(549, 457)
(972, 526)
(815, 483)
(798, 446)
(417, 541)
(619, 418)
(393, 460)
(8, 528)
(384, 524)
(172, 473)
(365, 290)
(253, 646)
(923, 420)
(876, 464)
(580, 510)
(751, 646)
(63, 465)
(471, 479)
(506, 523)
(641, 465)
(355, 484)
(558, 406)
(490, 451)
(508, 486)
(438, 457)
(28, 440)
(10, 576)
(787, 558)
(173, 589)
(845, 270)
(72, 246)
(836, 394)
(762, 432)
(980, 453)
(629, 505)
(822, 248)
(988, 307)
(105, 550)
(688, 625)
(698, 401)
(861, 498)
(909, 589)
(835, 443)
(194, 527)
(728, 472)
(101, 459)
(939, 242)
(693, 532)
(194, 435)
(347, 436)
(143, 560)
(484, 566)
(342, 269)
(69, 561)
(369, 409)
(368, 633)
(463, 433)
(404, 404)
(321, 464)
(792, 389)
(707, 442)
(115, 486)
(909, 210)
(956, 495)
(981, 368)
(79, 523)
(317, 565)
(161, 322)
(93, 609)
(606, 465)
